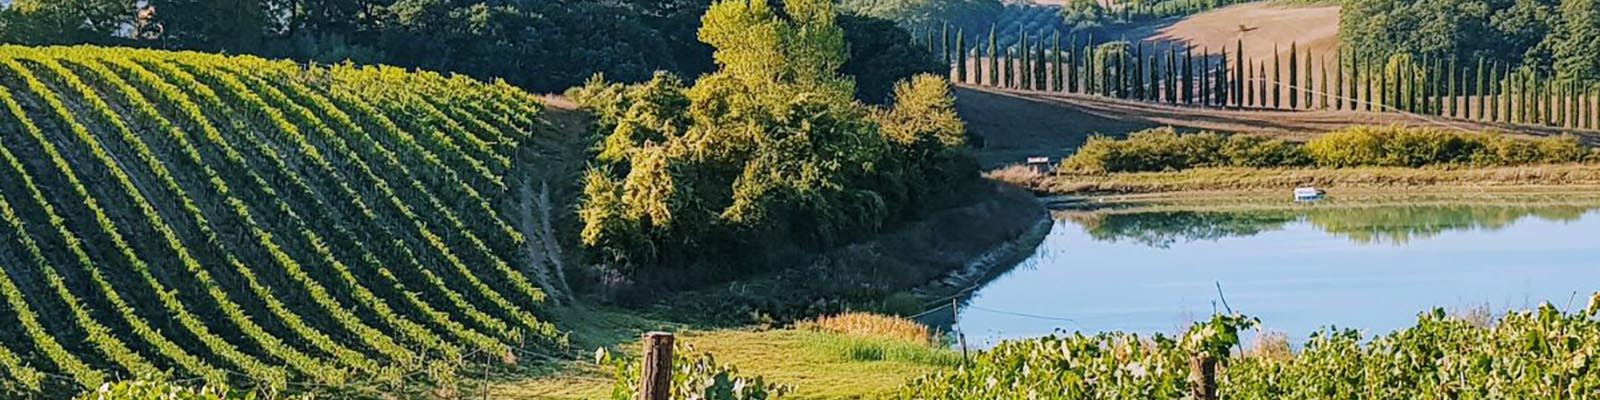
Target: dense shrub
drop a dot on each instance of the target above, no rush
(704, 182)
(1412, 147)
(1166, 150)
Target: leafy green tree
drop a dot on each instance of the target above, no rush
(47, 22)
(770, 151)
(1577, 49)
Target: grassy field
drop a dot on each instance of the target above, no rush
(818, 364)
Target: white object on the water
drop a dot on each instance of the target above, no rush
(1308, 194)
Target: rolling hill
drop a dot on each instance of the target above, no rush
(261, 224)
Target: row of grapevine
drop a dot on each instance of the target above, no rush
(298, 227)
(1543, 353)
(1294, 79)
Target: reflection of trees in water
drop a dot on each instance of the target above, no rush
(1363, 225)
(1162, 229)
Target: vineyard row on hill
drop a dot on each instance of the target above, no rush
(254, 223)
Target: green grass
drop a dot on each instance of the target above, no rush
(819, 365)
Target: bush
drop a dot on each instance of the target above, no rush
(1420, 147)
(1164, 149)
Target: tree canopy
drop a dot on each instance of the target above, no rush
(770, 150)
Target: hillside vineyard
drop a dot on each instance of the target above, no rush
(250, 222)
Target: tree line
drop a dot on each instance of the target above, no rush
(1293, 79)
(1554, 38)
(543, 46)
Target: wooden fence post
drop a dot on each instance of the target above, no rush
(1203, 377)
(655, 381)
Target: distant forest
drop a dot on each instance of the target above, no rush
(541, 45)
(1559, 38)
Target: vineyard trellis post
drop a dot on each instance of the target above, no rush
(1203, 377)
(655, 379)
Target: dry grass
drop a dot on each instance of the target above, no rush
(1214, 179)
(872, 326)
(1271, 345)
(1016, 175)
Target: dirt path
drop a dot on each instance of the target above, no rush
(1014, 125)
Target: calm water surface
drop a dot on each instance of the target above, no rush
(1372, 269)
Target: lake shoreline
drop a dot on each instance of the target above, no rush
(1064, 189)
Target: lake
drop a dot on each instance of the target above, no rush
(1298, 269)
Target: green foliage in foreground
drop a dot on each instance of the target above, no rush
(156, 390)
(1165, 150)
(1539, 354)
(770, 152)
(693, 377)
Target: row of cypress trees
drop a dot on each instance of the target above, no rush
(1178, 73)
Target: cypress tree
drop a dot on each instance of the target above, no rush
(1222, 84)
(1056, 78)
(1204, 75)
(1250, 88)
(994, 58)
(1138, 71)
(1357, 90)
(1238, 72)
(1188, 74)
(1041, 66)
(1383, 100)
(1124, 77)
(1172, 74)
(1310, 88)
(1500, 88)
(1294, 81)
(961, 55)
(1408, 86)
(1091, 62)
(1261, 84)
(1480, 92)
(1153, 78)
(1277, 79)
(1338, 80)
(1324, 64)
(1452, 108)
(944, 43)
(1072, 65)
(1026, 80)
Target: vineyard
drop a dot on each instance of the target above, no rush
(257, 224)
(1290, 79)
(1544, 353)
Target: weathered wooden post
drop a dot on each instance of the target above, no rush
(1203, 377)
(655, 381)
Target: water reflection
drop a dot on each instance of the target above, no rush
(1396, 225)
(1370, 267)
